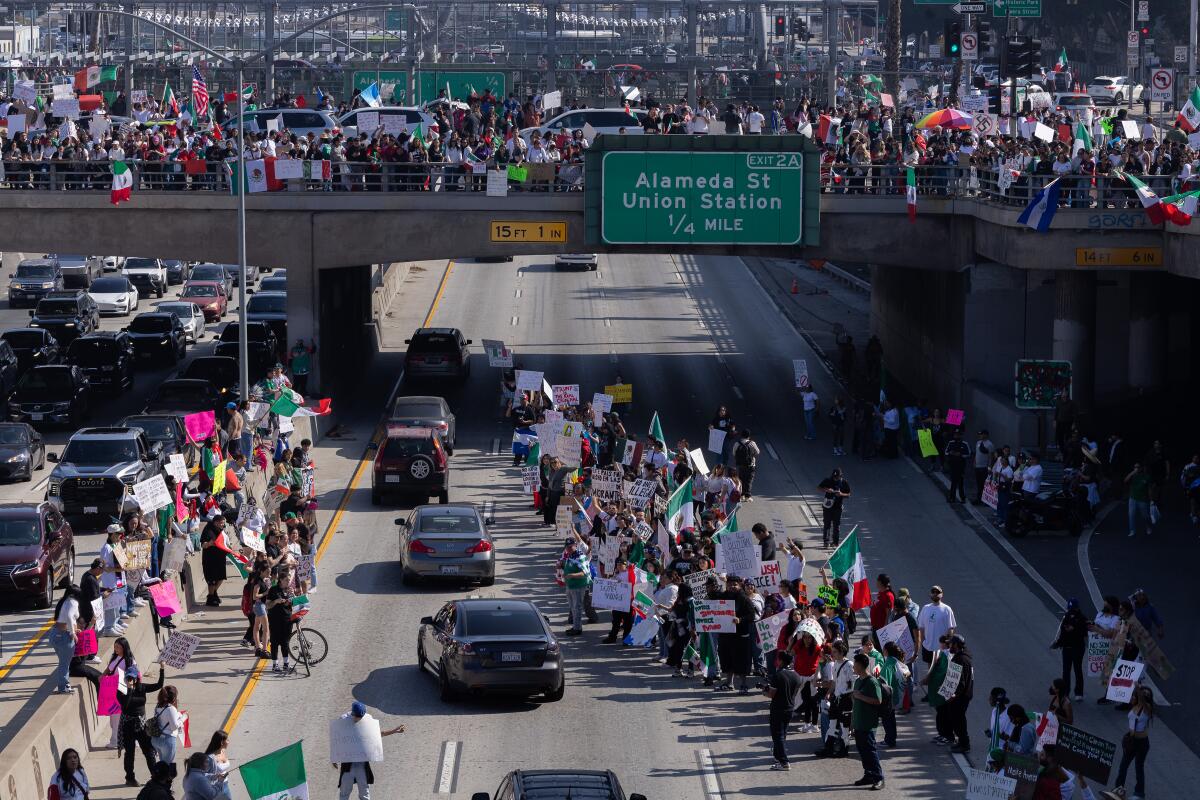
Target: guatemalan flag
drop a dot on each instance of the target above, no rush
(1040, 211)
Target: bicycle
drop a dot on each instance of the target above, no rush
(308, 646)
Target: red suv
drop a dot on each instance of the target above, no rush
(411, 461)
(37, 551)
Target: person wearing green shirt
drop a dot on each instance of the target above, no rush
(577, 576)
(300, 361)
(864, 719)
(1139, 484)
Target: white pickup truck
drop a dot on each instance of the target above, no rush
(147, 274)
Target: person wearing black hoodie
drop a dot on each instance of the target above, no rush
(133, 722)
(956, 708)
(159, 785)
(1072, 639)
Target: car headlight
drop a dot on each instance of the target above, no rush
(28, 566)
(34, 324)
(47, 285)
(164, 340)
(129, 480)
(61, 406)
(17, 458)
(70, 325)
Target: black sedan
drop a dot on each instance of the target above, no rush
(21, 451)
(183, 396)
(488, 645)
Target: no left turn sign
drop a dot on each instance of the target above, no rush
(1162, 85)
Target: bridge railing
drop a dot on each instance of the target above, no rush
(168, 176)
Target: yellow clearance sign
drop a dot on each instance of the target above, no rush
(528, 232)
(621, 392)
(1118, 257)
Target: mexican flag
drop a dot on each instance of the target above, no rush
(1186, 205)
(1061, 64)
(910, 193)
(300, 606)
(656, 429)
(287, 403)
(324, 406)
(1155, 208)
(1083, 138)
(168, 101)
(680, 511)
(730, 523)
(1189, 115)
(277, 776)
(847, 563)
(87, 77)
(122, 183)
(705, 657)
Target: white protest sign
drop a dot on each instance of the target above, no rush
(286, 168)
(986, 124)
(716, 441)
(62, 91)
(26, 92)
(151, 494)
(305, 566)
(769, 628)
(800, 372)
(611, 593)
(355, 740)
(698, 582)
(640, 492)
(138, 96)
(610, 548)
(738, 553)
(67, 107)
(395, 125)
(589, 133)
(1194, 140)
(368, 121)
(114, 600)
(644, 631)
(1047, 730)
(174, 554)
(98, 611)
(1131, 129)
(778, 529)
(286, 425)
(498, 355)
(899, 633)
(553, 418)
(178, 650)
(601, 402)
(177, 468)
(530, 479)
(97, 126)
(768, 579)
(258, 411)
(547, 435)
(983, 785)
(497, 183)
(698, 463)
(551, 101)
(606, 481)
(254, 540)
(569, 449)
(529, 380)
(565, 394)
(570, 427)
(1125, 676)
(1043, 132)
(950, 684)
(715, 616)
(1097, 654)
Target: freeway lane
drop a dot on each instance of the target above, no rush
(640, 317)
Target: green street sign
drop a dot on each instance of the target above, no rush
(461, 84)
(1016, 8)
(398, 79)
(650, 197)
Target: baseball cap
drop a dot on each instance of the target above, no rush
(231, 405)
(935, 588)
(817, 603)
(358, 709)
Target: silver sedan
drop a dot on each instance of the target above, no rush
(446, 541)
(190, 315)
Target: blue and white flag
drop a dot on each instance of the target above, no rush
(370, 96)
(523, 439)
(1039, 213)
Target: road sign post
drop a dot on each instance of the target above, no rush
(1162, 85)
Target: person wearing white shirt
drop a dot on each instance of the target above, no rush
(1031, 476)
(62, 638)
(935, 621)
(664, 600)
(170, 726)
(754, 121)
(837, 676)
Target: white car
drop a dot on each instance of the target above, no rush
(581, 261)
(300, 121)
(114, 294)
(189, 314)
(602, 120)
(113, 263)
(1075, 104)
(410, 117)
(1114, 90)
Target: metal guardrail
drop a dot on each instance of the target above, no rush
(345, 176)
(875, 180)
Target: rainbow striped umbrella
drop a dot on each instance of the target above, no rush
(947, 118)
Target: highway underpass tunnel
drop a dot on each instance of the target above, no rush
(345, 341)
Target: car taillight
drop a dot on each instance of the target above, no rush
(439, 455)
(445, 426)
(552, 649)
(482, 546)
(417, 546)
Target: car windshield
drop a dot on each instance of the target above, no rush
(92, 352)
(273, 285)
(57, 307)
(218, 373)
(199, 291)
(150, 325)
(35, 271)
(54, 379)
(424, 410)
(160, 430)
(109, 286)
(464, 522)
(19, 532)
(13, 434)
(140, 263)
(100, 451)
(266, 304)
(502, 622)
(177, 394)
(209, 272)
(24, 338)
(181, 310)
(435, 343)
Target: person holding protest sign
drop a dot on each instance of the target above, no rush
(120, 662)
(166, 724)
(358, 772)
(212, 558)
(956, 708)
(112, 579)
(279, 619)
(837, 677)
(63, 636)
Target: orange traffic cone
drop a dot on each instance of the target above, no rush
(795, 286)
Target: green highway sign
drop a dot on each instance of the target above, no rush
(690, 197)
(398, 79)
(429, 83)
(1016, 8)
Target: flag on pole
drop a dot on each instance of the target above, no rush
(1157, 211)
(1061, 64)
(87, 77)
(847, 563)
(1189, 115)
(287, 403)
(199, 93)
(656, 431)
(122, 182)
(214, 128)
(910, 193)
(324, 406)
(277, 776)
(680, 511)
(320, 95)
(370, 96)
(1083, 138)
(300, 606)
(417, 135)
(1186, 205)
(1040, 211)
(169, 101)
(108, 74)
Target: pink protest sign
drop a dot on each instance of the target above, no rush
(181, 512)
(200, 425)
(166, 602)
(85, 642)
(106, 698)
(954, 416)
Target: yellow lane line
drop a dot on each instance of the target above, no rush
(11, 664)
(437, 298)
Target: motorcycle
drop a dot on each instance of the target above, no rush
(1049, 512)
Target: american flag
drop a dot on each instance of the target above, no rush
(199, 92)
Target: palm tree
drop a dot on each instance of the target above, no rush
(891, 64)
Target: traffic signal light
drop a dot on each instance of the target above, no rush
(1023, 57)
(780, 25)
(983, 30)
(1035, 58)
(1145, 32)
(952, 38)
(800, 28)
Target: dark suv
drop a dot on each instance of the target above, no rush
(158, 335)
(437, 353)
(166, 430)
(526, 784)
(106, 358)
(66, 314)
(98, 468)
(261, 345)
(411, 461)
(54, 394)
(37, 551)
(10, 368)
(220, 371)
(32, 280)
(183, 396)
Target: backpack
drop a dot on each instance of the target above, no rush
(154, 725)
(885, 694)
(247, 599)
